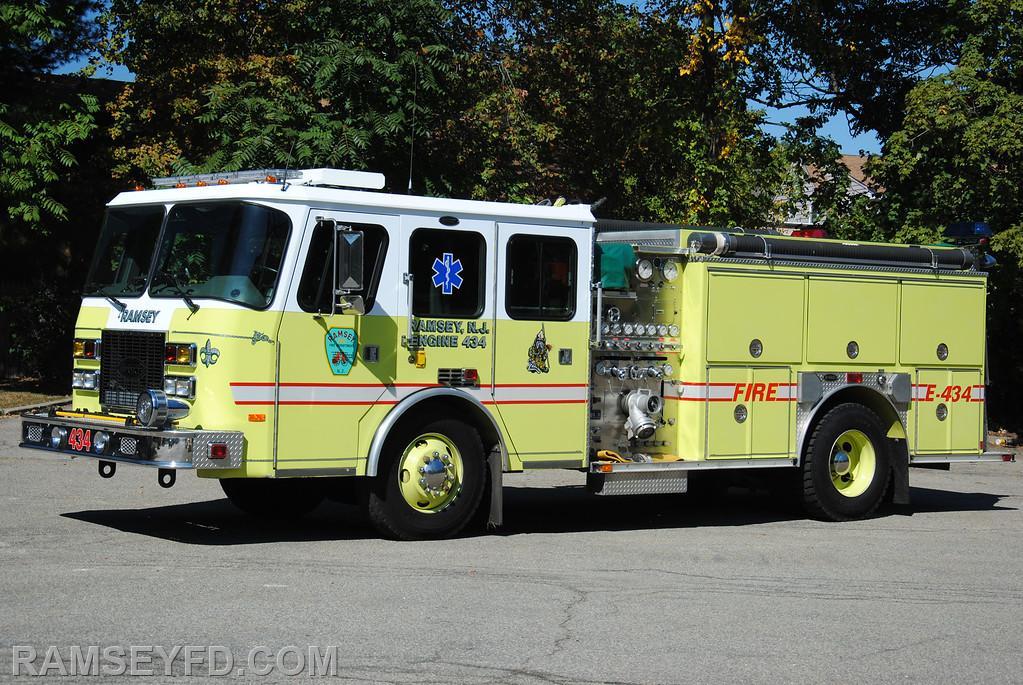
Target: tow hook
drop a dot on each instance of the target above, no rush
(166, 478)
(107, 469)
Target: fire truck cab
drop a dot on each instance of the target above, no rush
(299, 335)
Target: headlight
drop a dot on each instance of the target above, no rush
(100, 440)
(85, 380)
(179, 386)
(184, 387)
(57, 436)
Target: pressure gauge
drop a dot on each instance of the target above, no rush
(616, 329)
(614, 314)
(605, 328)
(669, 270)
(662, 330)
(651, 329)
(673, 330)
(644, 269)
(628, 329)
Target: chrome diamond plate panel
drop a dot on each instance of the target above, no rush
(643, 483)
(201, 450)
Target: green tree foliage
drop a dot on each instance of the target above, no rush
(958, 157)
(511, 99)
(41, 117)
(242, 84)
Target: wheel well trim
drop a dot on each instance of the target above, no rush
(824, 401)
(376, 446)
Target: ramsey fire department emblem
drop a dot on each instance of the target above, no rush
(539, 354)
(342, 344)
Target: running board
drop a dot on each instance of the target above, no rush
(1007, 457)
(638, 483)
(662, 477)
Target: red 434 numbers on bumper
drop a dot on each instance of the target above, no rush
(80, 439)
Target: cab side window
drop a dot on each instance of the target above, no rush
(449, 273)
(541, 278)
(315, 288)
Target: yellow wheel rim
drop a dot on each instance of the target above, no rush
(853, 463)
(430, 473)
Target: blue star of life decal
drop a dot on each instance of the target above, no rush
(447, 273)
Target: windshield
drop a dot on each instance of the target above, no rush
(124, 251)
(227, 251)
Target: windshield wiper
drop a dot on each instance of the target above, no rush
(118, 305)
(180, 291)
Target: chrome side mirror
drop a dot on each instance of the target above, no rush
(349, 253)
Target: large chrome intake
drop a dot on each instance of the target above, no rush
(639, 405)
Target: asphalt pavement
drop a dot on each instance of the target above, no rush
(573, 589)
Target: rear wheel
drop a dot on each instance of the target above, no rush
(430, 481)
(847, 464)
(273, 498)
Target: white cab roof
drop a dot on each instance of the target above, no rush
(579, 215)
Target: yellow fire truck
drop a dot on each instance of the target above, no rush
(300, 335)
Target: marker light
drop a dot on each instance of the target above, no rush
(85, 348)
(218, 450)
(179, 353)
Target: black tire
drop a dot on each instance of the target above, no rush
(395, 518)
(821, 497)
(284, 498)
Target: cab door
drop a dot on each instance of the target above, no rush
(541, 391)
(446, 305)
(334, 367)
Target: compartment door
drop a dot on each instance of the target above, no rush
(949, 411)
(772, 411)
(727, 437)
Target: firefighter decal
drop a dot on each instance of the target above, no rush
(342, 344)
(539, 354)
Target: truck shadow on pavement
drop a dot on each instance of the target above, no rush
(565, 509)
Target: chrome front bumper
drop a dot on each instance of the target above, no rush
(162, 448)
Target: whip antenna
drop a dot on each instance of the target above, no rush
(412, 135)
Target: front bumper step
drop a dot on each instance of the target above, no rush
(161, 448)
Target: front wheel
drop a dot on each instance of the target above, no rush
(847, 464)
(430, 481)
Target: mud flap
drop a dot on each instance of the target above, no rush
(900, 474)
(496, 516)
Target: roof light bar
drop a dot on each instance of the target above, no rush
(339, 178)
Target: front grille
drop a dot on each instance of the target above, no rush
(132, 362)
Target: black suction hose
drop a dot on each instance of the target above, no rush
(760, 246)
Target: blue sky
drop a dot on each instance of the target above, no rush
(836, 128)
